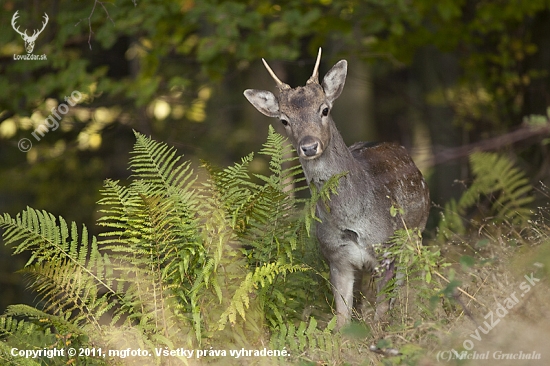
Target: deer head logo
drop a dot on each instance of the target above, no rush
(29, 40)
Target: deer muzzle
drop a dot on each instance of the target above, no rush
(310, 147)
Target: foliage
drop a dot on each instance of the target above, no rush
(323, 195)
(155, 66)
(210, 259)
(126, 57)
(307, 337)
(419, 283)
(219, 260)
(175, 70)
(504, 188)
(181, 256)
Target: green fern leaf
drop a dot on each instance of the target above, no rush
(156, 164)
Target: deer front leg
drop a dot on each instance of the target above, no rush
(342, 289)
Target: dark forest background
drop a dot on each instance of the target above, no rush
(442, 78)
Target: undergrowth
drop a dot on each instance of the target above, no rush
(227, 262)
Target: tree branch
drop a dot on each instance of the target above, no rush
(90, 20)
(525, 132)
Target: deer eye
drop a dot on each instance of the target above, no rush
(284, 122)
(325, 112)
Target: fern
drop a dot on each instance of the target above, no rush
(24, 335)
(321, 345)
(495, 178)
(39, 332)
(418, 286)
(178, 261)
(234, 186)
(271, 223)
(155, 164)
(279, 149)
(262, 276)
(40, 233)
(62, 266)
(330, 187)
(154, 236)
(494, 174)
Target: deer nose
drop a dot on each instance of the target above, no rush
(309, 146)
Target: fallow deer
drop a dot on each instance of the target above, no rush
(379, 176)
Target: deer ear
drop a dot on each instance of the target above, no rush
(334, 80)
(264, 101)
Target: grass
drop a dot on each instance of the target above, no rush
(491, 307)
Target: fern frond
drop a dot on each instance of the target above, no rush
(282, 164)
(39, 233)
(10, 326)
(270, 209)
(262, 276)
(157, 164)
(323, 195)
(121, 203)
(321, 345)
(235, 190)
(69, 292)
(154, 232)
(496, 178)
(24, 335)
(60, 323)
(497, 174)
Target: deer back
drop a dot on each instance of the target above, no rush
(395, 177)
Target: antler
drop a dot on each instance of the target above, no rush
(13, 19)
(282, 86)
(36, 33)
(313, 79)
(315, 76)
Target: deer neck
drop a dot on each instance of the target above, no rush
(335, 159)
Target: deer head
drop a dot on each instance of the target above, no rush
(304, 110)
(29, 40)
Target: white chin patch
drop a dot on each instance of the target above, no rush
(305, 157)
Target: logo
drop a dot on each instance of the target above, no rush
(29, 40)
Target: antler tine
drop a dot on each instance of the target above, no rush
(13, 20)
(315, 76)
(46, 18)
(36, 31)
(280, 84)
